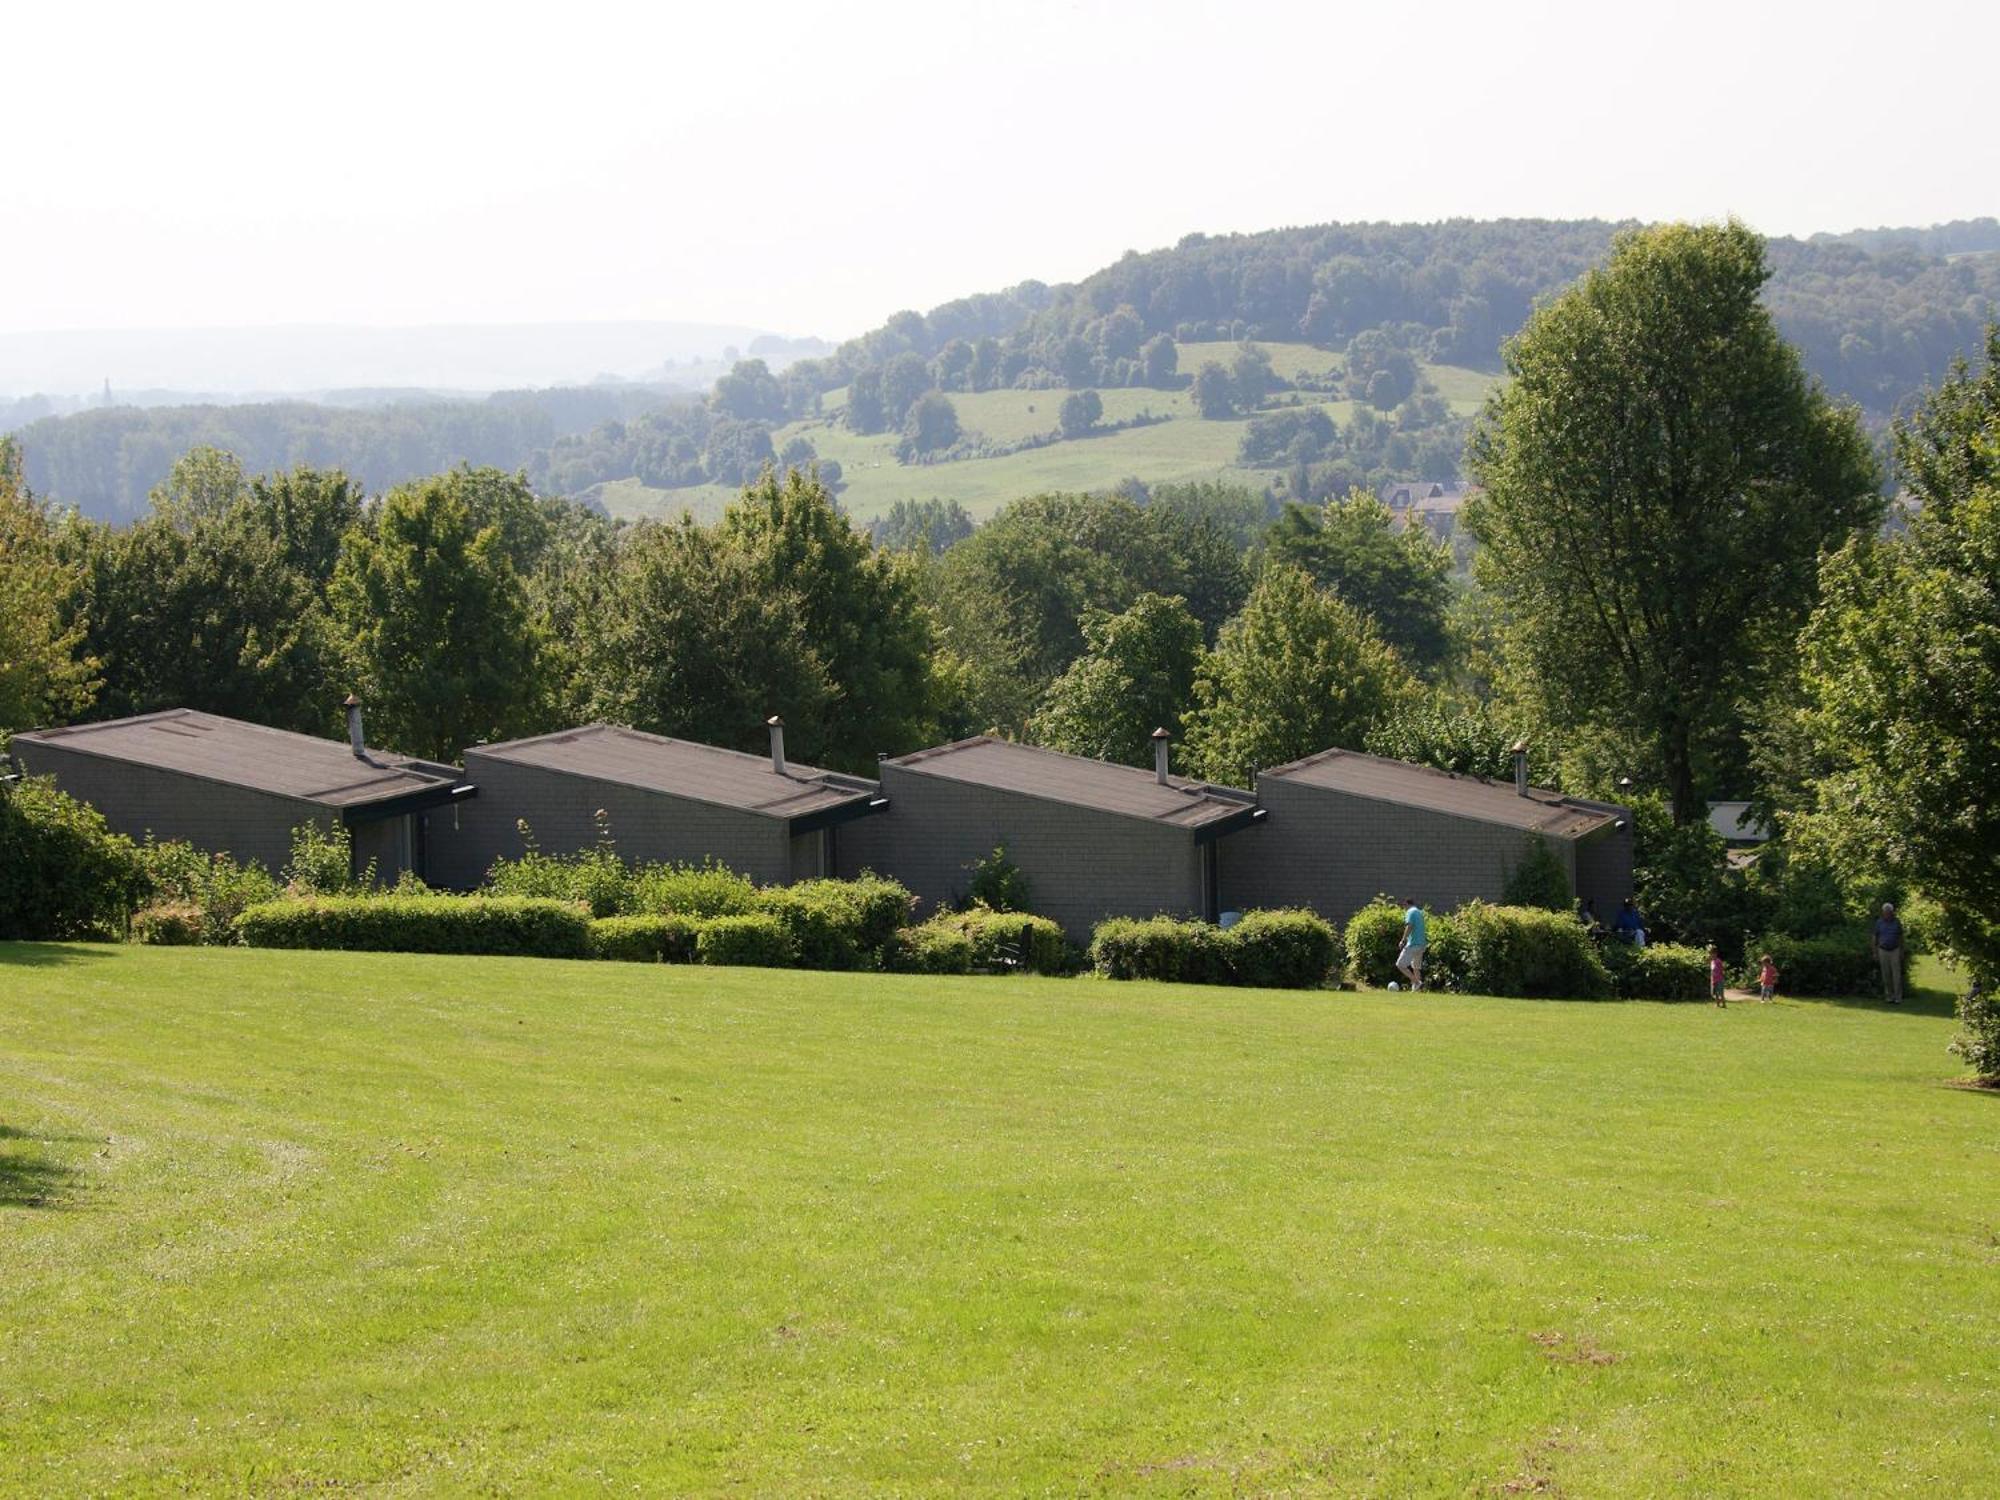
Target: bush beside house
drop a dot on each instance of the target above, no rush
(1268, 949)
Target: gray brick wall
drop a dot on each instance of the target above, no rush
(136, 800)
(646, 826)
(1334, 853)
(1083, 866)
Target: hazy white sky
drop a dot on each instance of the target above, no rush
(811, 168)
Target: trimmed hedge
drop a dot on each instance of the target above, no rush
(1658, 971)
(169, 924)
(1837, 963)
(1036, 943)
(707, 890)
(936, 947)
(502, 925)
(63, 872)
(214, 886)
(1273, 949)
(1529, 952)
(644, 940)
(1375, 936)
(839, 924)
(754, 940)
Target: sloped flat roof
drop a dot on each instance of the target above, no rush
(1079, 781)
(683, 768)
(235, 753)
(1448, 792)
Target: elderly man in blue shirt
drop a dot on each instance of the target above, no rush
(1888, 944)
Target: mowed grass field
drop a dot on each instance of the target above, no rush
(401, 1225)
(1184, 448)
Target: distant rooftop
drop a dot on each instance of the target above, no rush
(1101, 785)
(682, 768)
(1449, 792)
(236, 753)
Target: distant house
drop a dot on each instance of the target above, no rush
(663, 801)
(1431, 503)
(1094, 839)
(1734, 824)
(1346, 827)
(240, 789)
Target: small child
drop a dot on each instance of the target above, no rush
(1767, 979)
(1718, 977)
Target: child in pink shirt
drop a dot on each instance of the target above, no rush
(1718, 976)
(1767, 979)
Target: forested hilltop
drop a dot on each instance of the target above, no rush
(1361, 349)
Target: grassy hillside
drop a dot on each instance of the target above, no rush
(284, 1222)
(1186, 447)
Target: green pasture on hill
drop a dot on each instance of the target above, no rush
(1184, 448)
(281, 1222)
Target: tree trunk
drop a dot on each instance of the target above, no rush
(1680, 775)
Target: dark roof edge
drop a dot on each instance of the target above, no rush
(834, 781)
(1563, 801)
(839, 813)
(1192, 788)
(356, 814)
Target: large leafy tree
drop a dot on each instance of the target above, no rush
(1901, 668)
(439, 623)
(1660, 478)
(1400, 580)
(1136, 675)
(861, 610)
(44, 674)
(1300, 670)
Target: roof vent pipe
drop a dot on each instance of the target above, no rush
(1521, 767)
(777, 743)
(353, 707)
(1161, 739)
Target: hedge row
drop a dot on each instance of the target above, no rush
(1268, 949)
(1492, 950)
(514, 926)
(1658, 971)
(1838, 963)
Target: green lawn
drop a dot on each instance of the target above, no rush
(277, 1222)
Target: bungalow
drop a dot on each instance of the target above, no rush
(1094, 839)
(1345, 827)
(663, 801)
(234, 788)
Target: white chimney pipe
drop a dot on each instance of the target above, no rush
(777, 743)
(1521, 767)
(353, 707)
(1161, 739)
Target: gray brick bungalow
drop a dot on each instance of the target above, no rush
(233, 788)
(1095, 840)
(1345, 827)
(664, 800)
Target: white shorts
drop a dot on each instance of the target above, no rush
(1411, 956)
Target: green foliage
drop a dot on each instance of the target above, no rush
(1978, 1039)
(1399, 579)
(755, 940)
(1520, 950)
(1214, 392)
(998, 884)
(497, 925)
(838, 924)
(1374, 937)
(938, 946)
(170, 924)
(1658, 971)
(180, 877)
(1656, 571)
(1841, 962)
(1267, 949)
(596, 876)
(1136, 674)
(438, 618)
(924, 526)
(704, 890)
(1538, 879)
(644, 939)
(45, 675)
(1683, 882)
(322, 862)
(930, 426)
(1004, 938)
(1081, 411)
(63, 873)
(1468, 736)
(1298, 671)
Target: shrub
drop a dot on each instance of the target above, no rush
(704, 890)
(998, 884)
(169, 924)
(1448, 959)
(595, 876)
(1978, 1039)
(1841, 962)
(1163, 948)
(1525, 951)
(322, 862)
(178, 874)
(1538, 880)
(999, 938)
(1374, 938)
(1284, 949)
(644, 939)
(507, 925)
(937, 947)
(1658, 971)
(753, 940)
(63, 872)
(839, 924)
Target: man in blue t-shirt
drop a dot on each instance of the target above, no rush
(1888, 944)
(1410, 962)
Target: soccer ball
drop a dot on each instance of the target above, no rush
(1394, 986)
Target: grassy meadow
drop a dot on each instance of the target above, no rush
(1184, 448)
(279, 1222)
